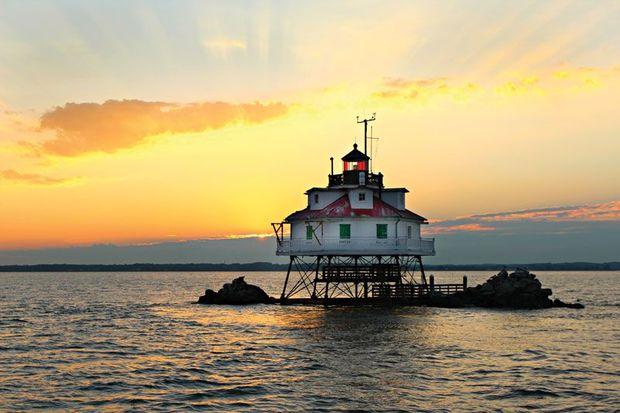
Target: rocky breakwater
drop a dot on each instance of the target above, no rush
(236, 292)
(519, 289)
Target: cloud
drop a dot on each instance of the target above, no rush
(35, 179)
(399, 83)
(446, 229)
(557, 80)
(187, 251)
(82, 128)
(223, 47)
(213, 238)
(609, 211)
(603, 212)
(416, 89)
(14, 124)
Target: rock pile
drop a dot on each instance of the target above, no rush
(519, 289)
(237, 292)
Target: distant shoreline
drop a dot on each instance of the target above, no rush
(266, 266)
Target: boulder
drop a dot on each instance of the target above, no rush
(560, 303)
(210, 297)
(236, 292)
(519, 289)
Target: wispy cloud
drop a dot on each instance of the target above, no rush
(421, 89)
(603, 212)
(176, 239)
(609, 211)
(243, 236)
(559, 80)
(447, 229)
(30, 178)
(14, 124)
(82, 128)
(223, 47)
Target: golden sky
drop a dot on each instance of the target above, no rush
(144, 122)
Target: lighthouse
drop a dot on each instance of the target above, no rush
(355, 240)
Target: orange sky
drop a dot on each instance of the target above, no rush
(218, 132)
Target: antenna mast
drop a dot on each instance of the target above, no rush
(372, 153)
(365, 122)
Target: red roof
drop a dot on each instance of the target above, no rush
(341, 208)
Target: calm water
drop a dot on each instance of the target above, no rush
(134, 341)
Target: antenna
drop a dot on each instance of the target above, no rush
(365, 122)
(372, 138)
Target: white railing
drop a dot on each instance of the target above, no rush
(370, 246)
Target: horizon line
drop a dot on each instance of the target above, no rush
(270, 266)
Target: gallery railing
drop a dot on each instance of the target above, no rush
(415, 246)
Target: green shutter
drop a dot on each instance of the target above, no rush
(382, 231)
(309, 231)
(345, 231)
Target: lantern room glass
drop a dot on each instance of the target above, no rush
(355, 166)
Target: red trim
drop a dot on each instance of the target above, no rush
(341, 208)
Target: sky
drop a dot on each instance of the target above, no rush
(132, 128)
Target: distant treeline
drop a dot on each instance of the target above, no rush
(254, 266)
(267, 266)
(543, 266)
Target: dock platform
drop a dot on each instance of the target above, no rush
(383, 295)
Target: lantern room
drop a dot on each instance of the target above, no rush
(355, 160)
(355, 167)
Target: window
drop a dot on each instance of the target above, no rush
(309, 231)
(382, 231)
(362, 196)
(345, 231)
(355, 166)
(316, 198)
(409, 232)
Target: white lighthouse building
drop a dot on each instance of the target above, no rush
(353, 232)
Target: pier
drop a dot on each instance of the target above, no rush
(388, 291)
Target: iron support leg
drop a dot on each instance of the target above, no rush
(290, 265)
(316, 277)
(423, 274)
(326, 293)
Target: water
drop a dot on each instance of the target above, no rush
(135, 341)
